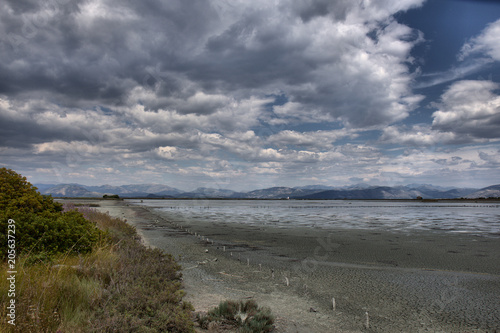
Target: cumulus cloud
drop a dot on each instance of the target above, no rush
(468, 112)
(419, 136)
(200, 57)
(315, 140)
(469, 108)
(175, 154)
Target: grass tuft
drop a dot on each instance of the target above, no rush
(247, 316)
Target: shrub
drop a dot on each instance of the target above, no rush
(113, 196)
(42, 229)
(248, 316)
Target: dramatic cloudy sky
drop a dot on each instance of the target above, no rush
(247, 94)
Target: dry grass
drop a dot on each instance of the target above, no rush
(121, 286)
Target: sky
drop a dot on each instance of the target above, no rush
(241, 95)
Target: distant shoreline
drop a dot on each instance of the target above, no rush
(483, 200)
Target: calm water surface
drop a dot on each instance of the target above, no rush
(468, 217)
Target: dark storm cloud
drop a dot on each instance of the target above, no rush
(91, 53)
(23, 124)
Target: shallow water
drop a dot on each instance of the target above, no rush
(414, 266)
(467, 217)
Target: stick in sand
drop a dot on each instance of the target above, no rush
(367, 323)
(333, 303)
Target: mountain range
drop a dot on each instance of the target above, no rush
(359, 191)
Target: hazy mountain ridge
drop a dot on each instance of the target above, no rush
(487, 192)
(380, 192)
(279, 192)
(205, 192)
(70, 190)
(139, 190)
(358, 191)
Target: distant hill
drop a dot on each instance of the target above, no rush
(487, 192)
(438, 192)
(378, 192)
(204, 192)
(139, 190)
(358, 191)
(70, 190)
(136, 190)
(316, 187)
(275, 193)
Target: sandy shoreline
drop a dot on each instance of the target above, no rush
(420, 282)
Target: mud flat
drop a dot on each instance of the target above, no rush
(381, 281)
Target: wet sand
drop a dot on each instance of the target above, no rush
(418, 282)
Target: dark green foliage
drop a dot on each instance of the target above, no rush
(17, 195)
(248, 316)
(41, 226)
(113, 196)
(261, 321)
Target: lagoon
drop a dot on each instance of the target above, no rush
(396, 216)
(414, 266)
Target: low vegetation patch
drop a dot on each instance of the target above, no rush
(91, 274)
(247, 316)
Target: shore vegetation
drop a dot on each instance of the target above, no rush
(79, 270)
(247, 317)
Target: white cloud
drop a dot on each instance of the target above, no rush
(176, 154)
(468, 112)
(417, 135)
(470, 108)
(357, 80)
(314, 139)
(487, 43)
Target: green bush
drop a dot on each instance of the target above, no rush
(113, 196)
(248, 316)
(41, 227)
